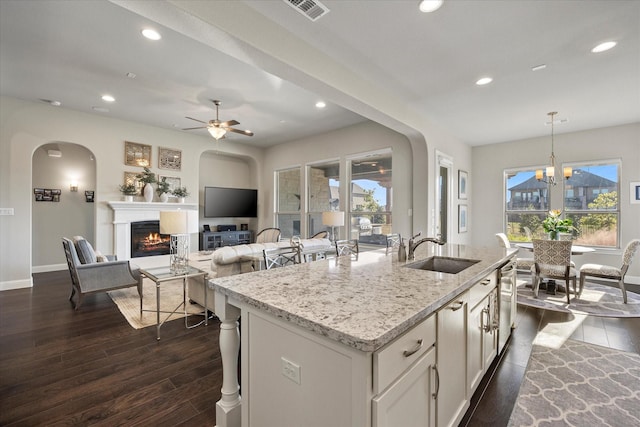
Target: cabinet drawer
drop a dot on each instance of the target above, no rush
(481, 289)
(393, 359)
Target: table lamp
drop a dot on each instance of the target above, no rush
(333, 219)
(175, 223)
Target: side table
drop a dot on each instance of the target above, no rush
(159, 275)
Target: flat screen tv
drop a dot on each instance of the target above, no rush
(222, 202)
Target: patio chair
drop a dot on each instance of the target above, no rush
(89, 275)
(610, 272)
(552, 260)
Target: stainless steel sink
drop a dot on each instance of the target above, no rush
(443, 264)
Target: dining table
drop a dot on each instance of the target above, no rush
(551, 286)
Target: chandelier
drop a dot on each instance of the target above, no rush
(548, 175)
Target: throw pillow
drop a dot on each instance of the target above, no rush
(86, 254)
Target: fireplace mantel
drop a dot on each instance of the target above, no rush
(124, 213)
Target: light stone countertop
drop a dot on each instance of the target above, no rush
(363, 303)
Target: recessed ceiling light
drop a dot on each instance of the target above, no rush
(320, 104)
(603, 46)
(484, 81)
(151, 34)
(108, 98)
(428, 6)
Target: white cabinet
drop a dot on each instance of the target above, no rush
(452, 400)
(410, 401)
(481, 339)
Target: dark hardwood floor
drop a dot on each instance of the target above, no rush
(62, 367)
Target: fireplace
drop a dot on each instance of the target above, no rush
(146, 239)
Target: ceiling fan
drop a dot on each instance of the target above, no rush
(218, 129)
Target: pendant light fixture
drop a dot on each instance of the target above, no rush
(549, 174)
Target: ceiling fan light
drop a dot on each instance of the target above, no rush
(216, 132)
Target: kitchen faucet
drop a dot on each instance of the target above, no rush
(413, 245)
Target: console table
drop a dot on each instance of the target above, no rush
(211, 240)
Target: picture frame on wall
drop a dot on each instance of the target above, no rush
(169, 158)
(463, 178)
(462, 218)
(173, 181)
(634, 192)
(137, 154)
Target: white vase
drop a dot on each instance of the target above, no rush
(147, 192)
(181, 199)
(164, 197)
(128, 198)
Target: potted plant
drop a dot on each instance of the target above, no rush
(147, 177)
(163, 189)
(180, 193)
(554, 224)
(128, 190)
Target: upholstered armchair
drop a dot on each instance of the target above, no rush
(90, 272)
(268, 235)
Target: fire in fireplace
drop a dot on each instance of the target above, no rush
(146, 239)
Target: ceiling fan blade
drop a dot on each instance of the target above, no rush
(241, 132)
(198, 127)
(191, 118)
(229, 123)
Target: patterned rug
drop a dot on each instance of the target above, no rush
(171, 296)
(579, 385)
(596, 300)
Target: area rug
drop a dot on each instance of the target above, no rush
(579, 384)
(596, 300)
(171, 296)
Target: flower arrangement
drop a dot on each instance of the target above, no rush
(146, 176)
(128, 189)
(180, 192)
(163, 186)
(554, 224)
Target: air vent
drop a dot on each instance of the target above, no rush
(312, 9)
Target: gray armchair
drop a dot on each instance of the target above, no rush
(90, 276)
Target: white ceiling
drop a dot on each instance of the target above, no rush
(74, 52)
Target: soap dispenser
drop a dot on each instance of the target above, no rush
(402, 251)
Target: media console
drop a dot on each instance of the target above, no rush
(212, 240)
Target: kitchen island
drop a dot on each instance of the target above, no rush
(319, 338)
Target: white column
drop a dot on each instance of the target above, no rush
(228, 408)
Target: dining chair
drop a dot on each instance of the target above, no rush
(324, 234)
(610, 272)
(523, 264)
(347, 247)
(281, 257)
(393, 242)
(552, 260)
(268, 235)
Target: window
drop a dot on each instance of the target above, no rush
(323, 194)
(288, 202)
(591, 201)
(370, 196)
(527, 204)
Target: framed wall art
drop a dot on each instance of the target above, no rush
(634, 192)
(462, 184)
(173, 181)
(137, 154)
(169, 158)
(462, 218)
(131, 178)
(47, 194)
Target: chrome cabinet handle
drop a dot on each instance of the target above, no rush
(456, 307)
(435, 370)
(486, 326)
(417, 347)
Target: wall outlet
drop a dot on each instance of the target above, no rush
(6, 211)
(291, 370)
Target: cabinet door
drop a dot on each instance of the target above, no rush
(410, 401)
(452, 361)
(475, 354)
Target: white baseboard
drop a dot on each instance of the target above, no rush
(47, 268)
(16, 284)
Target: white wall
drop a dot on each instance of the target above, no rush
(490, 161)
